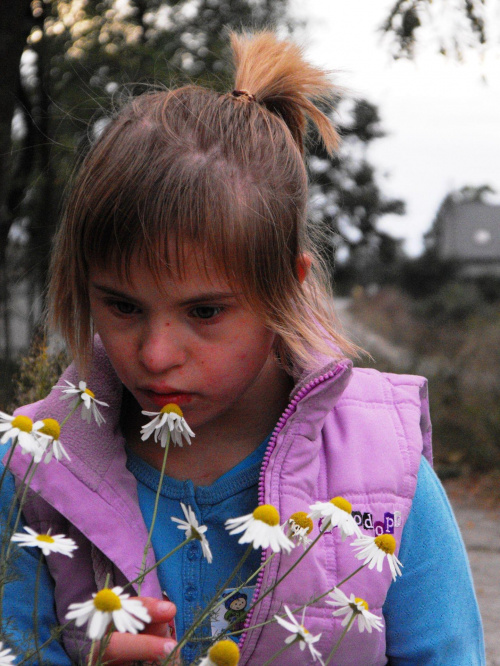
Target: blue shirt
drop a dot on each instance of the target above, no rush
(431, 611)
(19, 592)
(186, 577)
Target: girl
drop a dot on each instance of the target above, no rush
(183, 273)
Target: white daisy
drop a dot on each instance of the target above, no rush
(261, 528)
(6, 656)
(48, 543)
(194, 530)
(336, 513)
(168, 423)
(299, 633)
(87, 398)
(128, 615)
(373, 550)
(354, 607)
(222, 653)
(299, 525)
(51, 430)
(21, 429)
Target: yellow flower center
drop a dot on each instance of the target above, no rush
(51, 428)
(301, 519)
(107, 601)
(89, 392)
(267, 514)
(171, 408)
(306, 631)
(358, 600)
(24, 423)
(224, 653)
(341, 503)
(386, 542)
(46, 538)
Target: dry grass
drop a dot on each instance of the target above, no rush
(452, 339)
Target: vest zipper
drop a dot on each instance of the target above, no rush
(305, 390)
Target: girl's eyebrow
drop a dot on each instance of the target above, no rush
(209, 296)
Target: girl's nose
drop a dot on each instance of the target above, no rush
(161, 349)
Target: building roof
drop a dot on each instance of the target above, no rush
(469, 232)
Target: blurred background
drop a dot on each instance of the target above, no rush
(409, 207)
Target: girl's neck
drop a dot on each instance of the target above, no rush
(219, 445)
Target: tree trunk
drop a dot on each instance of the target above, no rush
(15, 24)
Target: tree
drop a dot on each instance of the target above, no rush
(67, 61)
(458, 25)
(347, 202)
(15, 25)
(82, 56)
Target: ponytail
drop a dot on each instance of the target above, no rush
(278, 77)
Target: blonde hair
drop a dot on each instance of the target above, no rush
(223, 171)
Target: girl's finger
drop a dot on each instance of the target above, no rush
(162, 613)
(127, 648)
(159, 610)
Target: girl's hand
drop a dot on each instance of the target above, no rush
(152, 645)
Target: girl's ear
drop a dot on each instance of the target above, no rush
(304, 262)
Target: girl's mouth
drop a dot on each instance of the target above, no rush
(162, 399)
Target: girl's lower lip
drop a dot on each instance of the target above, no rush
(162, 399)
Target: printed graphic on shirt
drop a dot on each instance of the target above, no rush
(385, 526)
(230, 616)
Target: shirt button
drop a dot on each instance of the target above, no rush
(190, 593)
(193, 551)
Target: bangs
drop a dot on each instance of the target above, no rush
(157, 211)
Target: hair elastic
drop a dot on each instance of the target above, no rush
(244, 93)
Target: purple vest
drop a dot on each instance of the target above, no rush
(355, 433)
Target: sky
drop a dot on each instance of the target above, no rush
(442, 117)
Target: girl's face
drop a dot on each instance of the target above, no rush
(189, 342)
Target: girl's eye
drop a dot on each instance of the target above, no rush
(205, 311)
(124, 308)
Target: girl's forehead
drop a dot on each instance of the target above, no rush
(187, 266)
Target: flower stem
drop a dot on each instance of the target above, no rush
(153, 521)
(35, 609)
(72, 411)
(55, 636)
(103, 644)
(6, 540)
(275, 585)
(309, 603)
(348, 577)
(157, 564)
(279, 653)
(6, 467)
(213, 604)
(24, 488)
(337, 644)
(90, 659)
